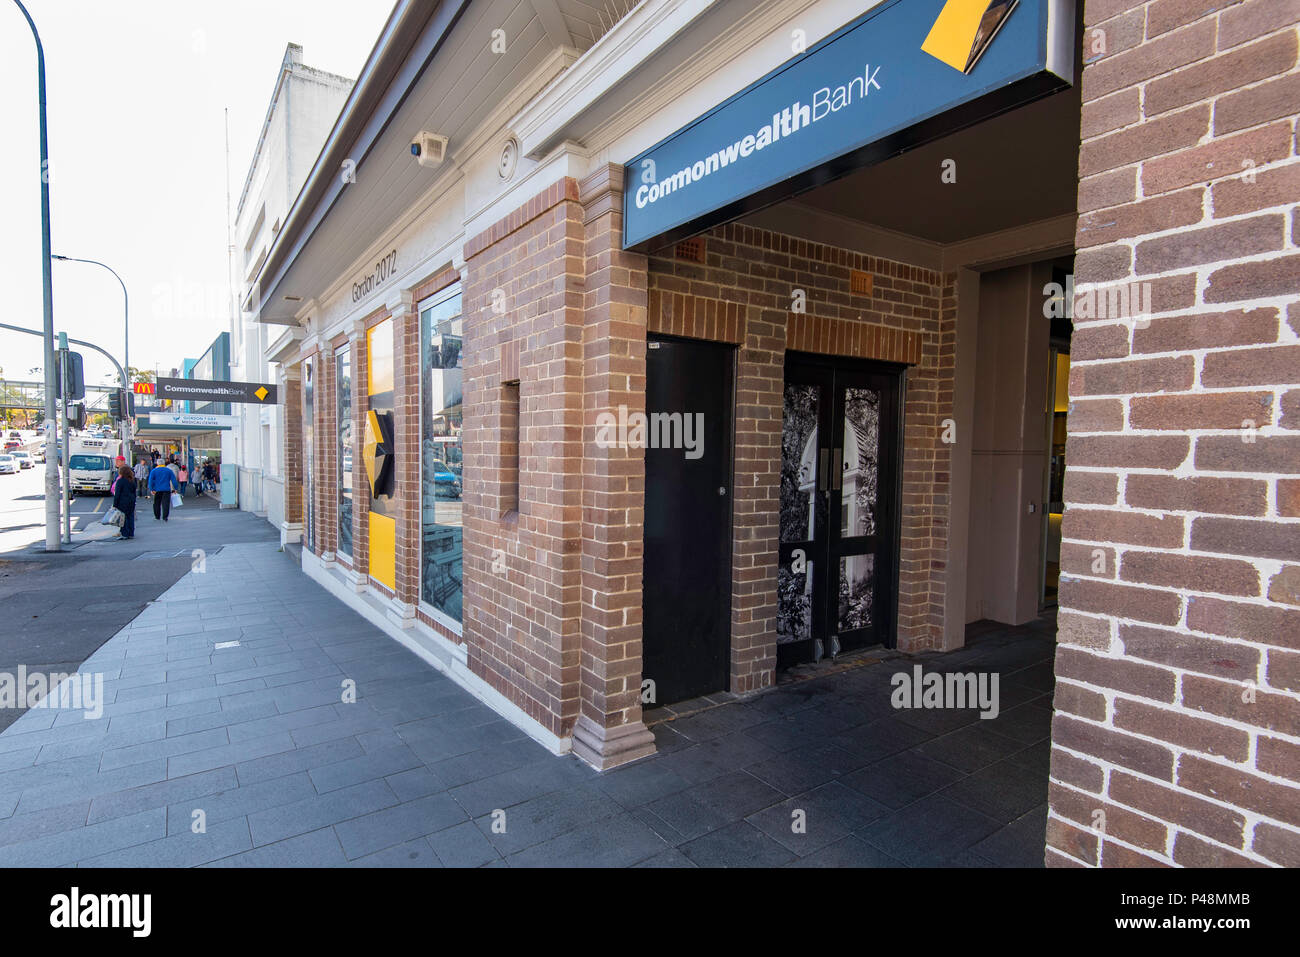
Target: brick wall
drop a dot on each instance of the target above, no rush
(327, 484)
(523, 298)
(406, 425)
(1176, 738)
(293, 477)
(743, 294)
(360, 481)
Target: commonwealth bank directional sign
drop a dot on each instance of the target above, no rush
(903, 74)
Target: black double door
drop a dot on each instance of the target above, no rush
(687, 569)
(836, 581)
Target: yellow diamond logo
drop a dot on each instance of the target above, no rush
(261, 393)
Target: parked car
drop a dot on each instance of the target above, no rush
(9, 465)
(446, 482)
(24, 459)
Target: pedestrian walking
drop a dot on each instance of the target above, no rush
(162, 481)
(124, 501)
(183, 479)
(141, 477)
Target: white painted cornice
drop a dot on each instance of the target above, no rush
(632, 41)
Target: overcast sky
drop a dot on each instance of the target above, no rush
(137, 91)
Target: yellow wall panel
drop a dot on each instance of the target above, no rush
(383, 549)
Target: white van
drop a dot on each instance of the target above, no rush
(90, 468)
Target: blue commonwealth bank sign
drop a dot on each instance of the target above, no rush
(905, 73)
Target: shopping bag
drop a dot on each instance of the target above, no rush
(177, 501)
(114, 516)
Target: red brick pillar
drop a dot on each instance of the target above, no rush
(609, 730)
(360, 483)
(326, 477)
(292, 391)
(523, 507)
(1176, 737)
(406, 424)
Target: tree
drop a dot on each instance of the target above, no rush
(139, 375)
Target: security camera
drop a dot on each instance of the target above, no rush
(429, 149)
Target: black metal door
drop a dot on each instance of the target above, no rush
(837, 555)
(687, 575)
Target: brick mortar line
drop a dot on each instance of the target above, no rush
(1175, 707)
(1252, 819)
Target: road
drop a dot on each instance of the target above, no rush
(22, 508)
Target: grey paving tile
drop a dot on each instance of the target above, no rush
(736, 845)
(797, 771)
(185, 764)
(900, 779)
(521, 784)
(239, 801)
(319, 848)
(291, 760)
(259, 727)
(808, 822)
(929, 832)
(366, 767)
(372, 832)
(707, 760)
(415, 853)
(850, 851)
(29, 827)
(163, 748)
(544, 817)
(636, 784)
(1021, 843)
(160, 794)
(186, 849)
(616, 842)
(970, 748)
(462, 845)
(486, 761)
(419, 782)
(1003, 791)
(172, 717)
(84, 784)
(67, 847)
(214, 716)
(708, 807)
(671, 857)
(289, 820)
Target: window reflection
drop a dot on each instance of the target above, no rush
(441, 459)
(346, 448)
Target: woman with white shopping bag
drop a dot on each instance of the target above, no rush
(124, 502)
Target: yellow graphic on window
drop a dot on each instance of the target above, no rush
(964, 30)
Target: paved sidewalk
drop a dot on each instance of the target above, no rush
(60, 607)
(255, 742)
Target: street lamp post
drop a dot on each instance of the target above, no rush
(51, 425)
(126, 345)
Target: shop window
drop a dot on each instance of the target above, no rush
(343, 360)
(441, 456)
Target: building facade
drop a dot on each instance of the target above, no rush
(636, 358)
(304, 105)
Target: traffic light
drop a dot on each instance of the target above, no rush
(115, 405)
(71, 380)
(77, 416)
